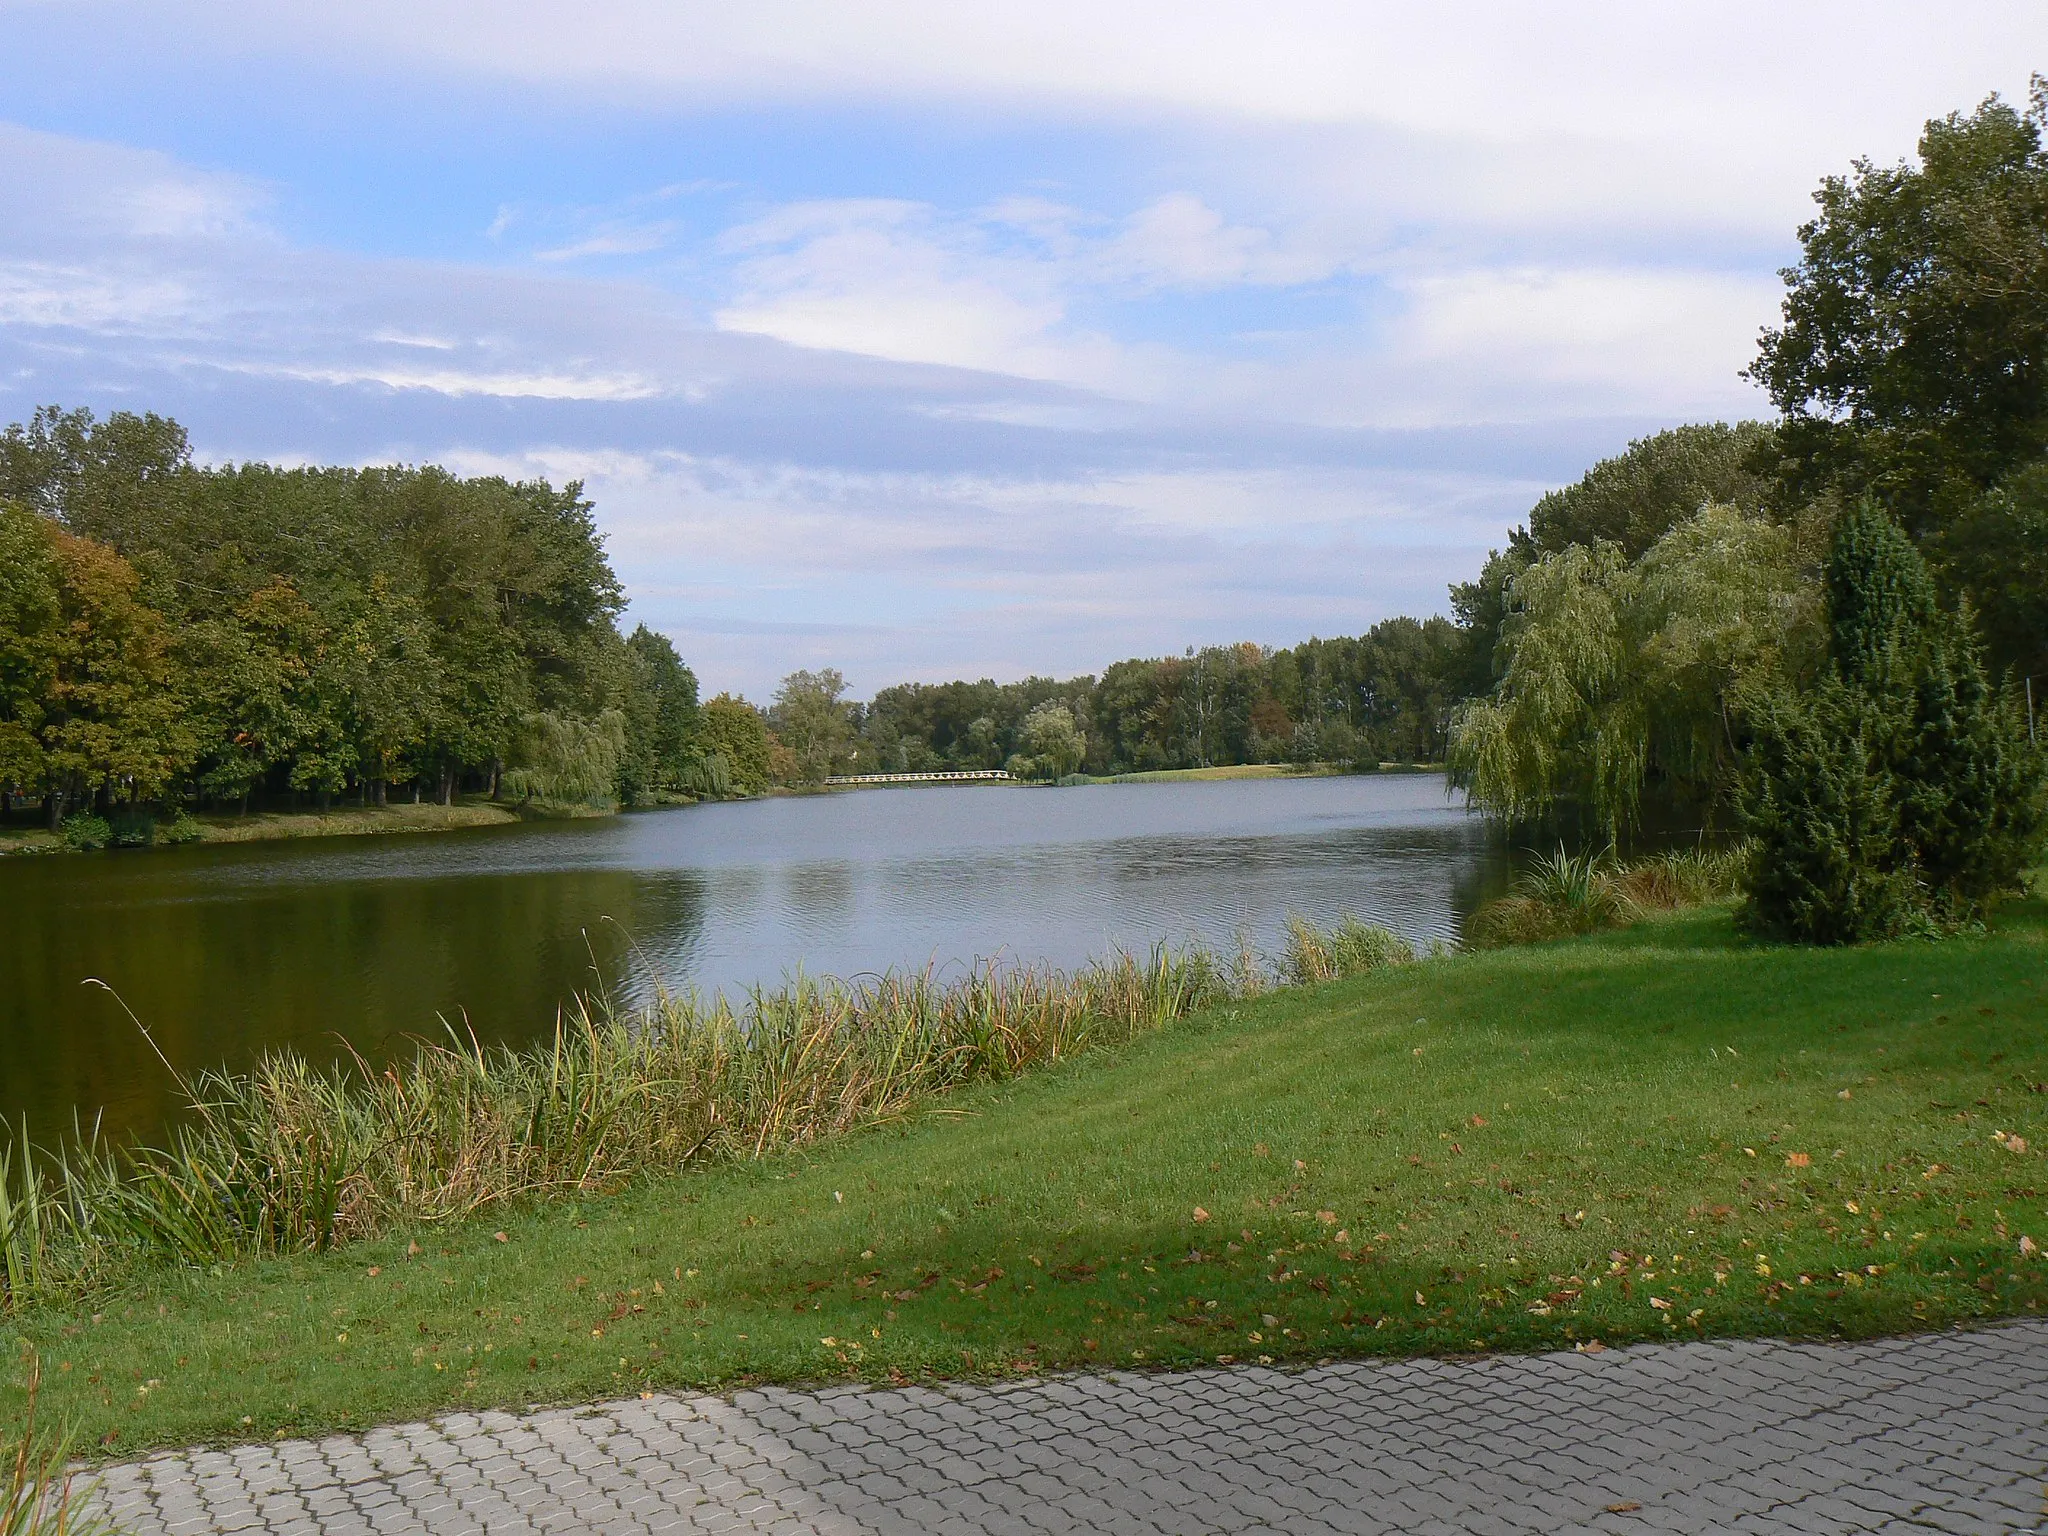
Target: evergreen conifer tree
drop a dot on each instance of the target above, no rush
(1900, 793)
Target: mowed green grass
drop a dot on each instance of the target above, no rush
(1663, 1132)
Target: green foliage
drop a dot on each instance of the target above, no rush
(1820, 803)
(1384, 695)
(1913, 358)
(249, 630)
(181, 828)
(84, 832)
(29, 641)
(1052, 745)
(1618, 671)
(131, 826)
(1901, 794)
(661, 719)
(565, 761)
(735, 733)
(812, 718)
(1633, 499)
(1996, 550)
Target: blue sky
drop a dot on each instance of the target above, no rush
(939, 339)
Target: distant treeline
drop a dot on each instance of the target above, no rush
(1385, 695)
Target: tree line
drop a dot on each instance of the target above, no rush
(1382, 696)
(173, 632)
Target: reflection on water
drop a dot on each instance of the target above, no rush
(225, 952)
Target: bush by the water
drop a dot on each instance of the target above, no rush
(1900, 794)
(86, 832)
(292, 1157)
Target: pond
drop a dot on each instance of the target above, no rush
(363, 943)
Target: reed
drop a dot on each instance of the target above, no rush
(1564, 894)
(1315, 955)
(41, 1493)
(293, 1157)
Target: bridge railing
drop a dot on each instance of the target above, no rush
(985, 775)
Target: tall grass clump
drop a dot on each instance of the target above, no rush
(1314, 955)
(40, 1492)
(1563, 894)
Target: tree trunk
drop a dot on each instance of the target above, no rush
(53, 808)
(374, 793)
(447, 784)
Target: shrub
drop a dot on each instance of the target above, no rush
(131, 826)
(85, 832)
(1819, 802)
(181, 828)
(1900, 794)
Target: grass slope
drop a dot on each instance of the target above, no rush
(1654, 1133)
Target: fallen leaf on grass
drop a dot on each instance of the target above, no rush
(500, 1237)
(1478, 1120)
(2028, 1248)
(1798, 1160)
(1200, 1214)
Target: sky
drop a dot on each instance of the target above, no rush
(937, 338)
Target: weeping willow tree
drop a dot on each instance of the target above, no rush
(567, 761)
(1616, 672)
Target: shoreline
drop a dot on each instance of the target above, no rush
(23, 841)
(339, 821)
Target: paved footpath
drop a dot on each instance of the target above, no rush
(1947, 1432)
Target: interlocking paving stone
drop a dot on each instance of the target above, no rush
(1947, 1432)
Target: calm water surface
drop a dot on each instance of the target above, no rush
(227, 951)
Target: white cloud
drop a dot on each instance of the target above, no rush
(1178, 241)
(888, 279)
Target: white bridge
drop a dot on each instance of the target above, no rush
(983, 775)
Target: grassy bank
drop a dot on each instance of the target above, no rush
(1655, 1132)
(353, 821)
(338, 821)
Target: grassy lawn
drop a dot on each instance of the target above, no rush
(344, 821)
(1656, 1133)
